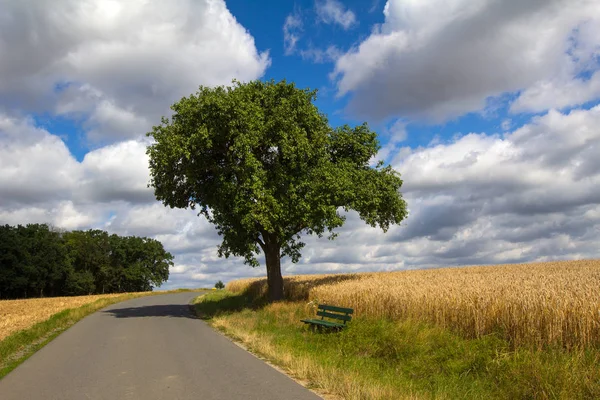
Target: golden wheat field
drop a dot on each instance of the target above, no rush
(16, 315)
(536, 304)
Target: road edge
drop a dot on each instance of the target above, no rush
(29, 341)
(236, 341)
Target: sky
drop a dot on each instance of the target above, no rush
(489, 109)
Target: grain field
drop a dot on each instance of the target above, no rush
(535, 305)
(16, 315)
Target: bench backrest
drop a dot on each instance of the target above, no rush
(343, 314)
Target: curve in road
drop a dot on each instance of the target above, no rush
(147, 348)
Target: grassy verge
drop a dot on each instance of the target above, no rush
(382, 359)
(19, 346)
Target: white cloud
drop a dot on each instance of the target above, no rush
(394, 135)
(334, 12)
(536, 184)
(116, 172)
(67, 216)
(317, 55)
(557, 94)
(437, 59)
(150, 220)
(119, 64)
(115, 68)
(292, 29)
(61, 214)
(41, 182)
(35, 166)
(530, 194)
(328, 11)
(104, 120)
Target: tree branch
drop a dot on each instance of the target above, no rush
(260, 243)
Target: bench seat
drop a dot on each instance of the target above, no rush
(331, 312)
(322, 322)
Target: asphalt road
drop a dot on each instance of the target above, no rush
(147, 348)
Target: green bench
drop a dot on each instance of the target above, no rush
(331, 312)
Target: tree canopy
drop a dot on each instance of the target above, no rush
(260, 162)
(36, 260)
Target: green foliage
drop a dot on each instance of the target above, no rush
(262, 164)
(33, 261)
(37, 261)
(219, 285)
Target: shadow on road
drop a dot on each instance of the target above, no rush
(209, 308)
(174, 310)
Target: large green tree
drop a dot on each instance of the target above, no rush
(262, 164)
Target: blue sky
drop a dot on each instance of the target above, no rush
(488, 108)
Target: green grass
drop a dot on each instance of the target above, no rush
(403, 359)
(19, 346)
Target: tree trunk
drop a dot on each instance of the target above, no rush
(274, 278)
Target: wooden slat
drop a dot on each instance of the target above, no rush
(341, 317)
(336, 309)
(321, 322)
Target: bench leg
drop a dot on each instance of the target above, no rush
(322, 329)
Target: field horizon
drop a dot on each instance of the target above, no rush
(535, 304)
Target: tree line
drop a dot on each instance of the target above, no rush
(37, 261)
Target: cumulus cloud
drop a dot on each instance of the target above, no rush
(35, 166)
(530, 194)
(102, 118)
(38, 168)
(150, 220)
(116, 172)
(114, 68)
(41, 182)
(334, 12)
(513, 193)
(120, 65)
(63, 214)
(527, 194)
(557, 94)
(438, 59)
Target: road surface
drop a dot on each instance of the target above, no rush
(147, 348)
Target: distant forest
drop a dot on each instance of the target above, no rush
(38, 261)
